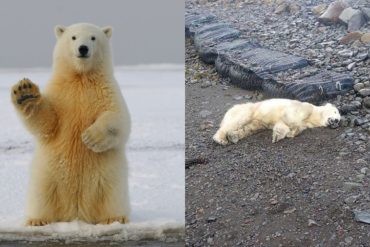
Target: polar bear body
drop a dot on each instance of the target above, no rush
(81, 124)
(287, 118)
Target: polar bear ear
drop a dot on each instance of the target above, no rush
(59, 30)
(108, 31)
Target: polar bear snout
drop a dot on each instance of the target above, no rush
(333, 122)
(84, 51)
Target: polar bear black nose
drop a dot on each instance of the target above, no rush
(83, 49)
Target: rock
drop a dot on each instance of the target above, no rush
(206, 125)
(360, 178)
(351, 66)
(362, 216)
(348, 108)
(364, 170)
(362, 56)
(312, 223)
(358, 86)
(283, 7)
(348, 240)
(345, 53)
(319, 9)
(206, 84)
(294, 8)
(347, 14)
(350, 186)
(366, 12)
(237, 97)
(365, 38)
(289, 210)
(331, 15)
(366, 102)
(211, 219)
(356, 21)
(351, 199)
(350, 38)
(364, 92)
(204, 113)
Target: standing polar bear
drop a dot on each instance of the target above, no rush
(286, 118)
(81, 124)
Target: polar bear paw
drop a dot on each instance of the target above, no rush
(119, 219)
(233, 136)
(97, 139)
(220, 138)
(25, 94)
(37, 222)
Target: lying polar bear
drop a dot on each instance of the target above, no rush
(286, 118)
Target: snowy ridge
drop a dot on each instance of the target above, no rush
(78, 231)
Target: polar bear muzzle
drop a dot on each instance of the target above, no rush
(84, 51)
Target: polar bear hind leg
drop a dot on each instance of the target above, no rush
(232, 127)
(246, 130)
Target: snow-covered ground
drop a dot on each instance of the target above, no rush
(155, 96)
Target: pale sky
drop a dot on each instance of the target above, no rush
(145, 31)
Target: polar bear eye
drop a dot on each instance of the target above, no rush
(73, 37)
(93, 38)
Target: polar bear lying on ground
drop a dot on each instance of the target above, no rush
(286, 118)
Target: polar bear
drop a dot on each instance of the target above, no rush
(286, 118)
(81, 125)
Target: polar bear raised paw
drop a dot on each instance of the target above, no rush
(25, 94)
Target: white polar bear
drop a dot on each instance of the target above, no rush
(81, 124)
(286, 118)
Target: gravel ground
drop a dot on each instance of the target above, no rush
(298, 192)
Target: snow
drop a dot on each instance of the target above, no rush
(155, 96)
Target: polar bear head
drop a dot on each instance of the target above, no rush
(330, 115)
(82, 47)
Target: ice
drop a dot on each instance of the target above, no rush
(155, 96)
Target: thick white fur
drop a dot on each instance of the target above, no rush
(81, 124)
(286, 118)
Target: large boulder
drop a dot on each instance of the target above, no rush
(331, 15)
(319, 9)
(351, 37)
(353, 18)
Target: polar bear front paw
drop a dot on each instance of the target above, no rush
(233, 136)
(220, 138)
(37, 222)
(119, 219)
(97, 139)
(25, 94)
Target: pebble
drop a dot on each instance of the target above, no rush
(364, 92)
(312, 223)
(345, 53)
(238, 97)
(206, 84)
(211, 219)
(348, 240)
(351, 199)
(364, 170)
(358, 86)
(366, 102)
(351, 66)
(349, 186)
(205, 113)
